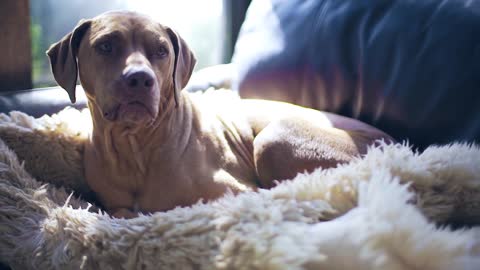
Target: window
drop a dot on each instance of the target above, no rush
(200, 23)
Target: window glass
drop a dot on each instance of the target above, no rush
(200, 23)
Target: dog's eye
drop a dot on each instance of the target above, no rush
(161, 52)
(104, 47)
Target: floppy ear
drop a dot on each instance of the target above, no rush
(184, 63)
(63, 58)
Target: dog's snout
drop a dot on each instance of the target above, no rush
(139, 78)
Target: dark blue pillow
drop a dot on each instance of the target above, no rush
(408, 67)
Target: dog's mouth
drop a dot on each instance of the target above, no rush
(133, 111)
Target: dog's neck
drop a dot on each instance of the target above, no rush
(123, 145)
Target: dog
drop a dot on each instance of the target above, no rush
(155, 147)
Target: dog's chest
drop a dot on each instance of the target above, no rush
(168, 179)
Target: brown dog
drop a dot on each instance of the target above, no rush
(154, 147)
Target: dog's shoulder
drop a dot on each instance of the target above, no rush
(222, 108)
(214, 96)
(221, 102)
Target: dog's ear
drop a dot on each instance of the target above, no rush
(63, 58)
(184, 63)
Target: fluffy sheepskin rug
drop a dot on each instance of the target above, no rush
(387, 210)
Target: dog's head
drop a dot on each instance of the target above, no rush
(129, 65)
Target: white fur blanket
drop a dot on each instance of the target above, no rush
(378, 212)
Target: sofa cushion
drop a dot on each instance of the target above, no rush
(41, 101)
(410, 68)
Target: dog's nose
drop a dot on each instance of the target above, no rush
(139, 78)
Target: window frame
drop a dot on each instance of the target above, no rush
(16, 56)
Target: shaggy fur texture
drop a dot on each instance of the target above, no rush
(377, 212)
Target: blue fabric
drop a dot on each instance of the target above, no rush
(40, 101)
(408, 67)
